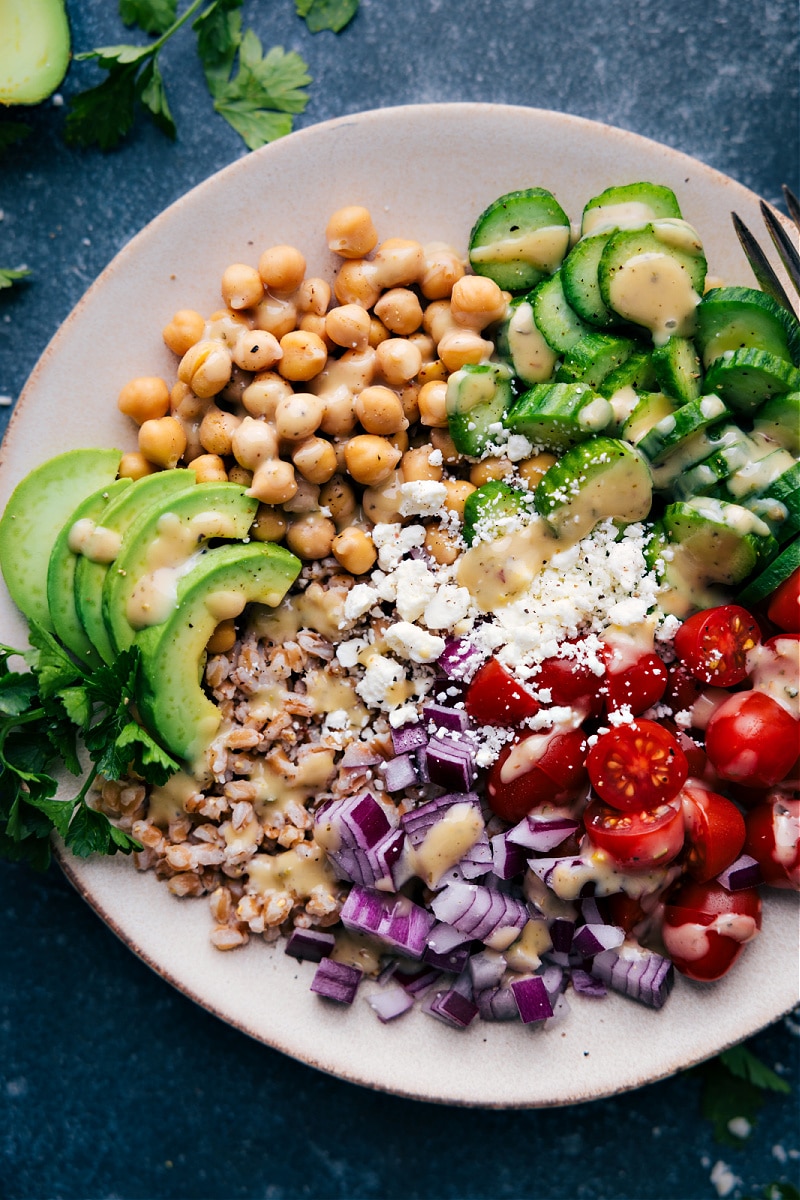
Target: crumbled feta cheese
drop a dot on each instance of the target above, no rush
(380, 677)
(422, 497)
(409, 641)
(740, 1127)
(447, 606)
(406, 714)
(436, 458)
(347, 652)
(337, 719)
(394, 541)
(415, 585)
(518, 447)
(359, 601)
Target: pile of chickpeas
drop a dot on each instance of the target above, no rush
(323, 402)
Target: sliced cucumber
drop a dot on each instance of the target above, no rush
(773, 576)
(766, 465)
(492, 508)
(678, 369)
(629, 206)
(783, 494)
(522, 346)
(593, 357)
(519, 239)
(636, 372)
(558, 323)
(654, 277)
(779, 419)
(601, 478)
(478, 398)
(579, 280)
(726, 540)
(666, 437)
(557, 415)
(652, 408)
(731, 453)
(737, 318)
(746, 379)
(683, 586)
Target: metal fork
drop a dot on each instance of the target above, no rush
(788, 252)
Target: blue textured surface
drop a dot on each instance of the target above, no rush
(114, 1085)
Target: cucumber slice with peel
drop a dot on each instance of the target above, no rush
(772, 577)
(579, 279)
(637, 372)
(593, 357)
(477, 401)
(727, 541)
(558, 415)
(629, 206)
(746, 379)
(491, 508)
(779, 419)
(519, 239)
(678, 370)
(560, 325)
(596, 480)
(521, 344)
(737, 318)
(652, 408)
(667, 435)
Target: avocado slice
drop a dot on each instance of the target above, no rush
(160, 546)
(34, 49)
(90, 573)
(61, 574)
(34, 516)
(171, 699)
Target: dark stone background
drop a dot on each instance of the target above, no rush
(114, 1085)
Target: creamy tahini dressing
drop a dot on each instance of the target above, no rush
(447, 841)
(291, 872)
(543, 248)
(94, 541)
(155, 596)
(690, 941)
(497, 572)
(630, 214)
(654, 290)
(786, 829)
(532, 357)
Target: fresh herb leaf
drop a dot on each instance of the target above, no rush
(150, 90)
(733, 1086)
(12, 132)
(777, 1191)
(742, 1063)
(326, 14)
(219, 34)
(267, 88)
(103, 116)
(9, 277)
(153, 16)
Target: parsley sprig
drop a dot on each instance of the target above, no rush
(46, 713)
(734, 1084)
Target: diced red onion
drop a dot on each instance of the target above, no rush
(445, 717)
(336, 980)
(444, 938)
(459, 660)
(744, 873)
(590, 911)
(453, 961)
(636, 972)
(554, 980)
(417, 821)
(532, 999)
(390, 1002)
(508, 860)
(478, 859)
(452, 1008)
(408, 738)
(591, 939)
(586, 985)
(574, 868)
(497, 1004)
(310, 945)
(451, 764)
(486, 969)
(541, 833)
(561, 934)
(385, 866)
(487, 915)
(419, 980)
(400, 773)
(355, 821)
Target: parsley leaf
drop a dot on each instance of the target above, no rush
(326, 14)
(9, 277)
(153, 16)
(742, 1063)
(733, 1086)
(11, 132)
(219, 34)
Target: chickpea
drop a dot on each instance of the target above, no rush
(209, 468)
(311, 537)
(134, 465)
(357, 283)
(183, 401)
(339, 498)
(312, 323)
(256, 350)
(490, 468)
(398, 360)
(181, 333)
(371, 459)
(442, 546)
(438, 320)
(206, 368)
(144, 399)
(426, 346)
(348, 326)
(477, 302)
(305, 499)
(381, 504)
(298, 416)
(269, 524)
(226, 326)
(531, 470)
(441, 440)
(236, 386)
(459, 347)
(339, 445)
(441, 270)
(241, 286)
(276, 316)
(432, 371)
(409, 398)
(240, 476)
(313, 296)
(162, 441)
(216, 431)
(282, 269)
(457, 492)
(315, 459)
(253, 442)
(350, 232)
(398, 262)
(304, 356)
(274, 482)
(400, 311)
(354, 550)
(417, 465)
(377, 332)
(432, 402)
(223, 638)
(380, 410)
(400, 440)
(262, 396)
(339, 416)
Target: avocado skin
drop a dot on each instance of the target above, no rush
(171, 699)
(34, 49)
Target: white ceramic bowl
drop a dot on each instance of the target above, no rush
(425, 172)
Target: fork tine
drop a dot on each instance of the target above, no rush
(760, 265)
(793, 205)
(789, 255)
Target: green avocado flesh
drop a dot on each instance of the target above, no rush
(34, 517)
(34, 49)
(226, 578)
(160, 546)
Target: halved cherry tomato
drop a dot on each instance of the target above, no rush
(775, 670)
(570, 681)
(637, 841)
(714, 831)
(637, 684)
(773, 840)
(636, 766)
(495, 697)
(714, 644)
(624, 911)
(752, 740)
(538, 769)
(784, 607)
(706, 927)
(683, 688)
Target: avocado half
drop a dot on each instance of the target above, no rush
(172, 702)
(34, 49)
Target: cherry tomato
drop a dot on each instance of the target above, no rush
(638, 765)
(496, 698)
(784, 607)
(775, 670)
(773, 840)
(752, 740)
(637, 841)
(639, 685)
(714, 644)
(538, 769)
(714, 831)
(695, 754)
(683, 688)
(706, 927)
(624, 911)
(571, 682)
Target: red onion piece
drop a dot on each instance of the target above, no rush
(444, 717)
(395, 920)
(451, 764)
(592, 939)
(487, 915)
(486, 969)
(417, 821)
(452, 1008)
(390, 1002)
(453, 961)
(354, 821)
(418, 981)
(542, 834)
(561, 934)
(586, 985)
(590, 911)
(641, 974)
(478, 859)
(532, 999)
(497, 1004)
(408, 738)
(336, 981)
(309, 945)
(444, 938)
(459, 660)
(508, 860)
(744, 873)
(400, 773)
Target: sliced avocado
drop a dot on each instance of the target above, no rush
(34, 49)
(90, 572)
(61, 574)
(172, 702)
(160, 546)
(33, 518)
